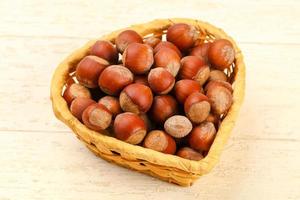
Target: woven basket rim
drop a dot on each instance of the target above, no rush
(126, 150)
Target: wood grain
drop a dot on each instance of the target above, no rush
(41, 159)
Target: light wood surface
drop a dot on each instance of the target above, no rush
(41, 159)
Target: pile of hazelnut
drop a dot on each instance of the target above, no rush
(168, 95)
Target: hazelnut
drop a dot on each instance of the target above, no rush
(182, 35)
(106, 50)
(114, 78)
(112, 104)
(127, 37)
(79, 104)
(160, 80)
(220, 98)
(163, 107)
(169, 59)
(189, 153)
(160, 141)
(70, 81)
(178, 126)
(136, 98)
(138, 58)
(89, 69)
(221, 54)
(152, 41)
(130, 128)
(215, 83)
(202, 136)
(166, 44)
(197, 107)
(142, 79)
(194, 68)
(75, 90)
(217, 75)
(96, 117)
(201, 52)
(184, 88)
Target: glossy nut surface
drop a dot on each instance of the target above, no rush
(152, 41)
(127, 37)
(163, 107)
(89, 69)
(201, 51)
(168, 58)
(130, 128)
(136, 98)
(166, 44)
(220, 98)
(194, 68)
(160, 80)
(202, 136)
(221, 54)
(138, 58)
(160, 141)
(178, 126)
(189, 153)
(184, 88)
(114, 78)
(182, 35)
(78, 105)
(75, 90)
(106, 50)
(197, 107)
(112, 104)
(96, 117)
(217, 75)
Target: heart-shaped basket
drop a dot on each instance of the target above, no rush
(170, 168)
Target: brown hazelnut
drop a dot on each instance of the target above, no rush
(197, 107)
(202, 136)
(127, 37)
(178, 126)
(182, 35)
(221, 54)
(75, 90)
(112, 104)
(138, 58)
(212, 84)
(184, 88)
(217, 75)
(220, 98)
(160, 80)
(201, 52)
(189, 153)
(79, 104)
(169, 59)
(163, 107)
(160, 141)
(89, 69)
(130, 128)
(166, 44)
(96, 117)
(194, 68)
(114, 78)
(136, 98)
(106, 50)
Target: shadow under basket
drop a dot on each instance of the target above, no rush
(170, 168)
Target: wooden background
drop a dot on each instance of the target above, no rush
(41, 159)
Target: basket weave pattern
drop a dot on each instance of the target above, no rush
(166, 167)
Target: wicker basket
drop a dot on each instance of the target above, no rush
(166, 167)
